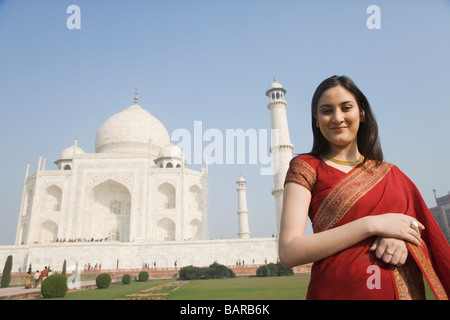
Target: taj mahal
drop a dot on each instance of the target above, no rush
(135, 200)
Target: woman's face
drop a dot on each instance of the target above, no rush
(338, 116)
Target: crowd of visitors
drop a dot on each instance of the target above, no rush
(34, 280)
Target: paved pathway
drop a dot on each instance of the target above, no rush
(20, 293)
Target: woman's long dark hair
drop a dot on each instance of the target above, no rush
(367, 139)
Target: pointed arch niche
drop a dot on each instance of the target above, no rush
(166, 196)
(109, 206)
(195, 198)
(195, 230)
(51, 200)
(23, 233)
(48, 231)
(28, 202)
(165, 230)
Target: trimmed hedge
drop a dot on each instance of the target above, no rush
(63, 272)
(282, 271)
(214, 271)
(267, 270)
(143, 276)
(218, 271)
(126, 279)
(190, 273)
(103, 280)
(54, 286)
(274, 270)
(6, 275)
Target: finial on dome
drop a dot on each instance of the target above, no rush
(136, 96)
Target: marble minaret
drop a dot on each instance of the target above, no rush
(244, 231)
(281, 147)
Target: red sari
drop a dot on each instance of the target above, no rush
(356, 273)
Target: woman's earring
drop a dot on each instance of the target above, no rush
(363, 117)
(317, 124)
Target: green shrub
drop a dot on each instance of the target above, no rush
(191, 273)
(261, 271)
(103, 280)
(6, 275)
(214, 271)
(218, 271)
(126, 279)
(143, 276)
(282, 271)
(54, 286)
(267, 270)
(273, 270)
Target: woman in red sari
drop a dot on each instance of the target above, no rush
(374, 237)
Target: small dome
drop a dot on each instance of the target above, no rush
(170, 151)
(69, 152)
(170, 156)
(241, 179)
(275, 85)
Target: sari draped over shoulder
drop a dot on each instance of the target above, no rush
(356, 273)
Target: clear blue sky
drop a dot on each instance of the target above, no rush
(212, 61)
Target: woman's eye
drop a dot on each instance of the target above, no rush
(346, 108)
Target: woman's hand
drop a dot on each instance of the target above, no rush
(397, 225)
(390, 250)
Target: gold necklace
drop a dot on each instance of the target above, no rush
(347, 163)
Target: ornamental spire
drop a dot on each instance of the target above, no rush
(136, 96)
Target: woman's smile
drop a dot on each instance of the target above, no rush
(339, 129)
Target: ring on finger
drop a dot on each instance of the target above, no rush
(389, 253)
(414, 224)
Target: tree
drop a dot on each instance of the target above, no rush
(63, 272)
(6, 275)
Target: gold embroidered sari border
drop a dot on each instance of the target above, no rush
(305, 174)
(427, 269)
(345, 194)
(408, 281)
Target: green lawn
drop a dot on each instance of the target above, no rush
(115, 291)
(241, 288)
(252, 288)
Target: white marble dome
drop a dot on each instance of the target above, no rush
(275, 85)
(275, 91)
(130, 130)
(69, 152)
(170, 156)
(170, 151)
